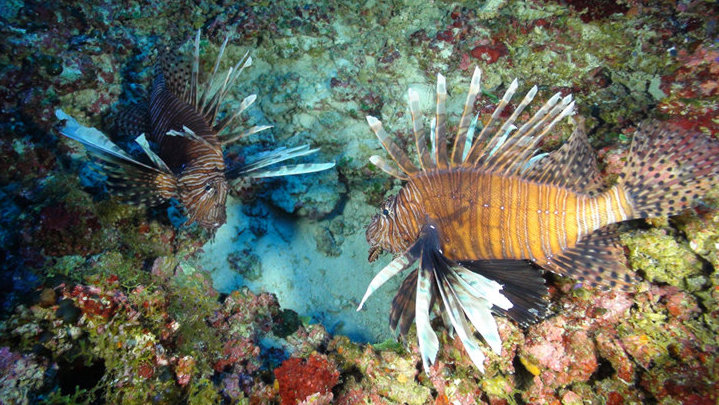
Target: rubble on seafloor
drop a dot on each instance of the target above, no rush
(104, 302)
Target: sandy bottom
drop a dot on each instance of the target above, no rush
(326, 289)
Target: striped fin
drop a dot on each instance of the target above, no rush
(515, 154)
(253, 170)
(573, 165)
(470, 137)
(596, 260)
(183, 79)
(248, 101)
(92, 138)
(385, 167)
(420, 142)
(669, 167)
(482, 287)
(440, 132)
(522, 285)
(290, 170)
(464, 295)
(129, 178)
(404, 304)
(395, 152)
(427, 339)
(465, 123)
(395, 267)
(191, 135)
(479, 146)
(456, 316)
(156, 160)
(479, 313)
(487, 131)
(250, 131)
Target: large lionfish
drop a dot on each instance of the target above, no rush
(183, 120)
(477, 218)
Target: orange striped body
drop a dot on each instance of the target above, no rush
(487, 216)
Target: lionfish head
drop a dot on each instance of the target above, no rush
(203, 193)
(378, 234)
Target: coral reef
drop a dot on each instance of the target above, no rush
(104, 302)
(299, 379)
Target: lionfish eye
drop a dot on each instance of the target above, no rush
(385, 211)
(208, 188)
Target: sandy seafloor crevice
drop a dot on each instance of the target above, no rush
(325, 288)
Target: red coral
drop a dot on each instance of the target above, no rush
(300, 378)
(93, 301)
(692, 90)
(489, 53)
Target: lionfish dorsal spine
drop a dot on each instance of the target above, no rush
(467, 124)
(190, 93)
(386, 167)
(395, 152)
(203, 96)
(207, 96)
(440, 130)
(222, 124)
(558, 113)
(420, 142)
(480, 145)
(191, 135)
(249, 131)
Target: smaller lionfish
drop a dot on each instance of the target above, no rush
(183, 120)
(476, 219)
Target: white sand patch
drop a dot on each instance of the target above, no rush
(327, 289)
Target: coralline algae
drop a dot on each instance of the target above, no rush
(108, 302)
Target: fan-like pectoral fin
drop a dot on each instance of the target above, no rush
(129, 178)
(427, 339)
(469, 293)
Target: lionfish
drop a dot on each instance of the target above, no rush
(481, 218)
(179, 130)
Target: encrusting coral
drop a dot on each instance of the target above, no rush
(104, 302)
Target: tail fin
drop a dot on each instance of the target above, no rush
(668, 168)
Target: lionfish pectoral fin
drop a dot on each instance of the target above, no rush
(522, 285)
(466, 298)
(596, 260)
(291, 170)
(156, 160)
(396, 266)
(257, 169)
(403, 305)
(191, 135)
(129, 178)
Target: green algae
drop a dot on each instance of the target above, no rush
(662, 258)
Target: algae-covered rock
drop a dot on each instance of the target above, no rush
(662, 258)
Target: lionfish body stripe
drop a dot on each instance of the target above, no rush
(181, 121)
(497, 209)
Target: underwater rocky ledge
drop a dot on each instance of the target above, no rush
(105, 302)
